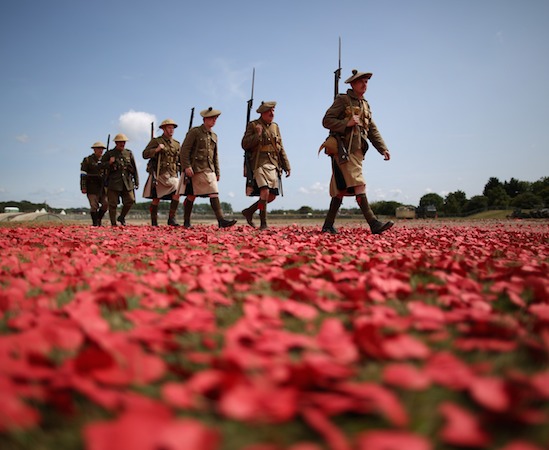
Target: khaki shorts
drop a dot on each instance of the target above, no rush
(203, 184)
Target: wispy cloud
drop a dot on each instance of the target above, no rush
(316, 188)
(136, 124)
(23, 138)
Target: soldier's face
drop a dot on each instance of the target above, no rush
(168, 130)
(360, 86)
(268, 116)
(120, 145)
(209, 122)
(98, 151)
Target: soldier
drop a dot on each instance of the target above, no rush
(349, 119)
(122, 178)
(163, 167)
(91, 183)
(263, 145)
(200, 163)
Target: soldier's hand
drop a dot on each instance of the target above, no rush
(288, 173)
(386, 155)
(189, 172)
(111, 160)
(259, 129)
(159, 148)
(354, 120)
(84, 191)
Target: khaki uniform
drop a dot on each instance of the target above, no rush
(347, 175)
(122, 179)
(91, 181)
(266, 155)
(167, 175)
(199, 151)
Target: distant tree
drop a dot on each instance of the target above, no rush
(492, 183)
(384, 208)
(476, 203)
(515, 187)
(226, 207)
(527, 200)
(498, 198)
(432, 199)
(305, 210)
(454, 203)
(540, 185)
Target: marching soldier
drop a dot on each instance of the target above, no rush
(263, 143)
(91, 183)
(200, 163)
(349, 120)
(163, 167)
(122, 178)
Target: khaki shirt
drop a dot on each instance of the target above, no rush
(169, 157)
(91, 175)
(340, 112)
(199, 151)
(266, 148)
(122, 174)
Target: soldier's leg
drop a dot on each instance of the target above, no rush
(248, 213)
(216, 206)
(128, 199)
(263, 200)
(187, 210)
(94, 205)
(173, 211)
(104, 207)
(328, 226)
(112, 197)
(376, 226)
(154, 211)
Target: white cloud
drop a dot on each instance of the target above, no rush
(316, 188)
(23, 138)
(136, 124)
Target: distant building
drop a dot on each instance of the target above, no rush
(405, 212)
(11, 209)
(427, 212)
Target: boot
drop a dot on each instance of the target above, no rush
(376, 226)
(154, 215)
(187, 210)
(328, 226)
(263, 215)
(125, 210)
(112, 216)
(216, 206)
(94, 218)
(100, 215)
(173, 211)
(248, 213)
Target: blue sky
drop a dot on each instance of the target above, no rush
(459, 92)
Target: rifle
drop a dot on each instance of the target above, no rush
(191, 120)
(249, 174)
(342, 153)
(104, 170)
(185, 177)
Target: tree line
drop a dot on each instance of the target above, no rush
(512, 194)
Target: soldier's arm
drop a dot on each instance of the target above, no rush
(374, 136)
(186, 147)
(332, 119)
(251, 138)
(150, 149)
(83, 175)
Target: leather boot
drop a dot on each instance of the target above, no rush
(112, 216)
(263, 215)
(216, 206)
(94, 218)
(100, 215)
(248, 213)
(125, 210)
(328, 226)
(154, 215)
(187, 210)
(376, 226)
(173, 211)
